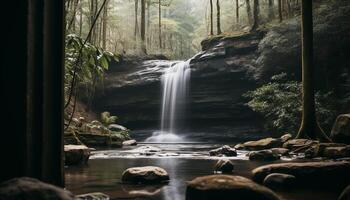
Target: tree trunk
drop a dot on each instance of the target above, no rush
(271, 13)
(237, 12)
(148, 23)
(309, 127)
(280, 10)
(143, 26)
(160, 23)
(249, 13)
(136, 28)
(211, 18)
(255, 15)
(80, 19)
(218, 24)
(104, 25)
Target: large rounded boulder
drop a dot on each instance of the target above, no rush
(145, 175)
(341, 129)
(32, 189)
(226, 187)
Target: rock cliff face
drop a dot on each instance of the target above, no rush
(227, 67)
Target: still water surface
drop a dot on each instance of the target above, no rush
(183, 162)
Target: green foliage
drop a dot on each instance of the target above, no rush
(89, 61)
(107, 119)
(280, 103)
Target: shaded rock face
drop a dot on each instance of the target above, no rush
(226, 187)
(327, 174)
(224, 166)
(32, 189)
(223, 151)
(279, 181)
(92, 196)
(145, 175)
(76, 154)
(227, 68)
(267, 155)
(341, 129)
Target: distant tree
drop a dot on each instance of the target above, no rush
(280, 10)
(143, 26)
(237, 12)
(104, 25)
(211, 18)
(160, 23)
(309, 127)
(218, 24)
(255, 15)
(271, 12)
(136, 26)
(249, 13)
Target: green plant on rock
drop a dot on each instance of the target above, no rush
(107, 119)
(280, 103)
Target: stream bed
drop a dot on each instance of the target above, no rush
(183, 162)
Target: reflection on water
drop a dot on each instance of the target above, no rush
(104, 174)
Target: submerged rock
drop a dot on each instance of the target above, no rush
(267, 155)
(76, 154)
(32, 189)
(147, 150)
(331, 174)
(224, 166)
(226, 187)
(341, 129)
(279, 181)
(92, 196)
(223, 151)
(145, 175)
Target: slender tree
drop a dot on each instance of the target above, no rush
(309, 126)
(249, 13)
(160, 23)
(218, 23)
(255, 15)
(211, 18)
(280, 10)
(136, 27)
(237, 12)
(104, 25)
(271, 13)
(143, 26)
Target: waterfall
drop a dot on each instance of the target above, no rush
(175, 82)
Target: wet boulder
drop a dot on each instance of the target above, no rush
(225, 187)
(324, 173)
(280, 151)
(129, 143)
(265, 155)
(92, 196)
(223, 151)
(145, 175)
(286, 137)
(224, 166)
(279, 181)
(265, 143)
(117, 127)
(337, 152)
(298, 144)
(341, 129)
(76, 154)
(32, 189)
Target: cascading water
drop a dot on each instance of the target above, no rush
(175, 82)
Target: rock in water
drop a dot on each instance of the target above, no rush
(92, 196)
(76, 154)
(278, 180)
(331, 174)
(129, 143)
(145, 175)
(265, 143)
(337, 152)
(32, 189)
(224, 166)
(266, 155)
(223, 151)
(226, 187)
(341, 129)
(345, 195)
(117, 127)
(296, 144)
